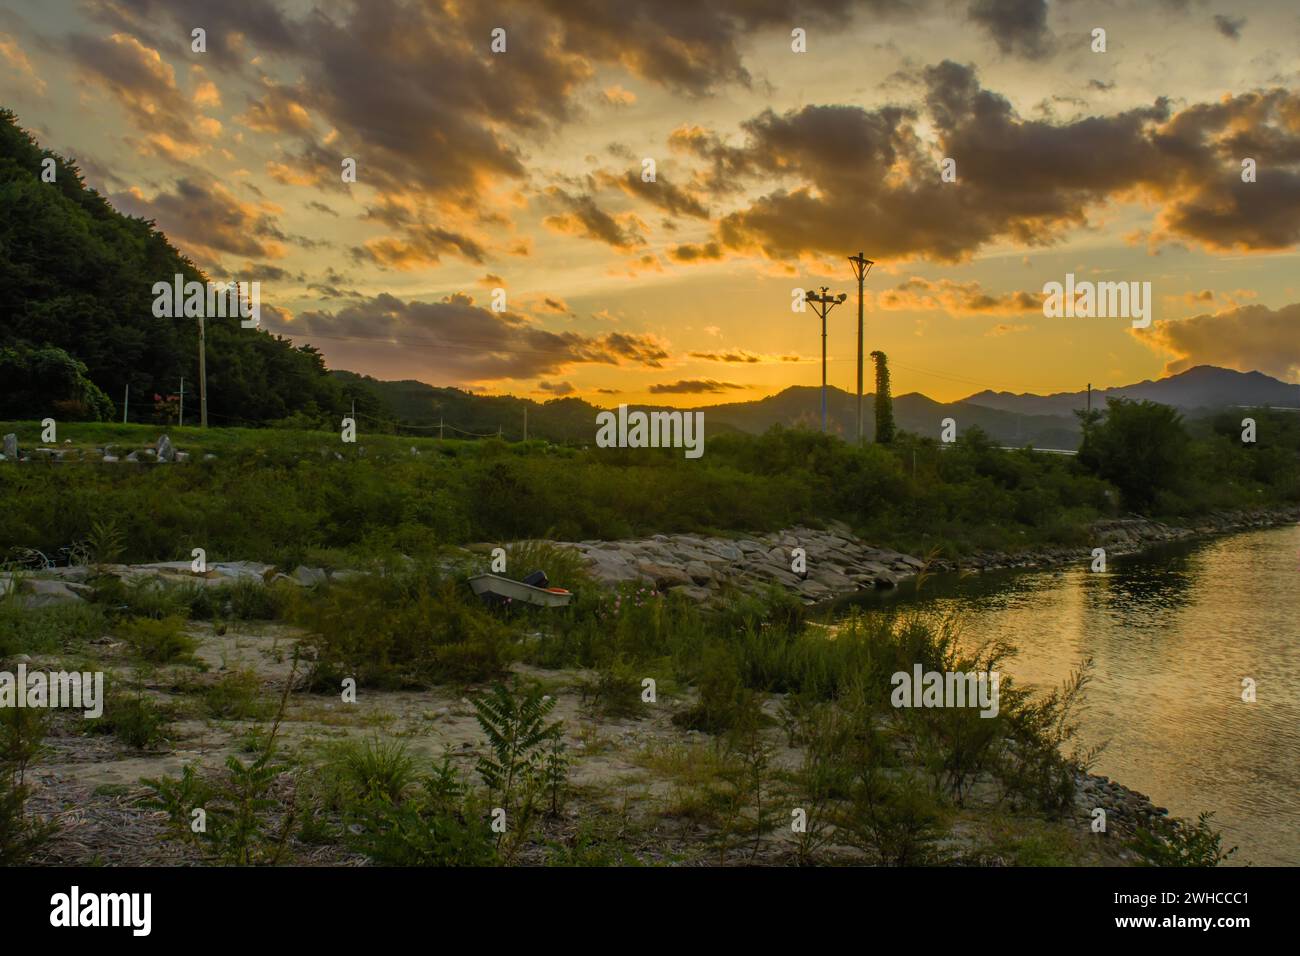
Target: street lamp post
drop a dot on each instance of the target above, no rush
(822, 304)
(861, 266)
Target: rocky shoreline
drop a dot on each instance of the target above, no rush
(835, 563)
(818, 565)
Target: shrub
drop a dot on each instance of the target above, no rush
(724, 701)
(616, 690)
(237, 696)
(1178, 842)
(21, 733)
(243, 821)
(159, 641)
(407, 628)
(133, 718)
(372, 768)
(439, 825)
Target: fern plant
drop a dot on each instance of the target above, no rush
(515, 725)
(105, 543)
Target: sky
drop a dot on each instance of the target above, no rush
(783, 137)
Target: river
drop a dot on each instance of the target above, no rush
(1172, 633)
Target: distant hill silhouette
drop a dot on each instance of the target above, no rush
(1205, 386)
(1043, 421)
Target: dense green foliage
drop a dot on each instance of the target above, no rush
(304, 497)
(884, 400)
(49, 382)
(77, 275)
(1162, 464)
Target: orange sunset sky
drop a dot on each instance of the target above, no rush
(522, 170)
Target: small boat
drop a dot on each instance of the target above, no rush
(493, 587)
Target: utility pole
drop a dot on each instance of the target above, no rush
(439, 428)
(126, 402)
(180, 416)
(822, 304)
(525, 423)
(1090, 396)
(203, 374)
(861, 266)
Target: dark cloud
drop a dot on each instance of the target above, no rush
(418, 246)
(457, 340)
(693, 386)
(845, 177)
(207, 220)
(661, 193)
(557, 389)
(582, 217)
(694, 47)
(265, 272)
(1017, 26)
(1230, 27)
(744, 357)
(690, 252)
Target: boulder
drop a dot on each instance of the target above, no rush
(11, 446)
(699, 572)
(166, 451)
(665, 576)
(39, 592)
(308, 577)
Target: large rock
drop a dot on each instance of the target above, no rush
(39, 592)
(665, 576)
(699, 572)
(166, 451)
(308, 577)
(11, 446)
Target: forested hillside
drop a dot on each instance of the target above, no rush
(77, 276)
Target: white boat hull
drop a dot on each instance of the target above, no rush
(493, 585)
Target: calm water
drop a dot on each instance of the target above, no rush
(1172, 634)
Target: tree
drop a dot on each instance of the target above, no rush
(77, 275)
(48, 381)
(1140, 447)
(884, 401)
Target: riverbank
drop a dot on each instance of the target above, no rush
(814, 564)
(824, 564)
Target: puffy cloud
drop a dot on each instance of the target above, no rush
(145, 85)
(850, 177)
(1017, 26)
(208, 220)
(1247, 338)
(457, 340)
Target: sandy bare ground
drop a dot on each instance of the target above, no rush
(633, 778)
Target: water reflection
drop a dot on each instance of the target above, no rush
(1172, 634)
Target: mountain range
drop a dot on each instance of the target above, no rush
(1044, 421)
